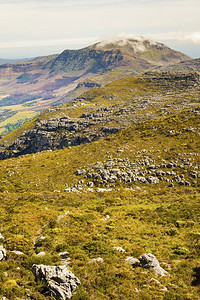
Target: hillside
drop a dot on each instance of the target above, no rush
(192, 65)
(107, 203)
(105, 110)
(28, 88)
(7, 61)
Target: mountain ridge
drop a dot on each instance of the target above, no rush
(59, 78)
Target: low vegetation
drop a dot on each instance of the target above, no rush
(139, 217)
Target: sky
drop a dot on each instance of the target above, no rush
(35, 28)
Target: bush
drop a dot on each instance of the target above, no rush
(19, 242)
(181, 250)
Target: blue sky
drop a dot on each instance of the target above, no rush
(32, 28)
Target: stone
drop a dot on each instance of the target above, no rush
(41, 254)
(170, 165)
(150, 261)
(120, 249)
(98, 259)
(80, 172)
(17, 252)
(152, 179)
(64, 255)
(133, 261)
(61, 282)
(102, 190)
(2, 253)
(154, 280)
(1, 236)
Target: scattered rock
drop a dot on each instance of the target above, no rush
(120, 249)
(64, 255)
(2, 253)
(101, 190)
(156, 281)
(17, 252)
(150, 261)
(61, 282)
(41, 254)
(98, 259)
(133, 261)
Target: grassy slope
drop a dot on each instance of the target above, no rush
(131, 90)
(156, 219)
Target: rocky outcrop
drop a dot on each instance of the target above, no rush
(57, 133)
(149, 261)
(2, 253)
(61, 282)
(141, 169)
(175, 79)
(100, 121)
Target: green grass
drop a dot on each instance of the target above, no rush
(151, 218)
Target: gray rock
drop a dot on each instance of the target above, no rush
(152, 179)
(156, 281)
(133, 261)
(17, 252)
(41, 254)
(1, 236)
(98, 259)
(64, 255)
(101, 190)
(61, 282)
(170, 165)
(120, 249)
(150, 261)
(2, 253)
(80, 172)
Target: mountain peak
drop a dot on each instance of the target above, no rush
(135, 43)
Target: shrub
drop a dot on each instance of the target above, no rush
(181, 250)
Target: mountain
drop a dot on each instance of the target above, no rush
(7, 61)
(27, 88)
(137, 54)
(120, 208)
(191, 65)
(103, 111)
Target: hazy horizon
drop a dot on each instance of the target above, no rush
(191, 50)
(35, 28)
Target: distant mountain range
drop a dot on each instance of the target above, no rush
(27, 88)
(7, 61)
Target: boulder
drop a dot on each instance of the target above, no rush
(1, 236)
(133, 261)
(2, 253)
(61, 282)
(150, 261)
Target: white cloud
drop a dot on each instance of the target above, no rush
(26, 23)
(180, 37)
(192, 38)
